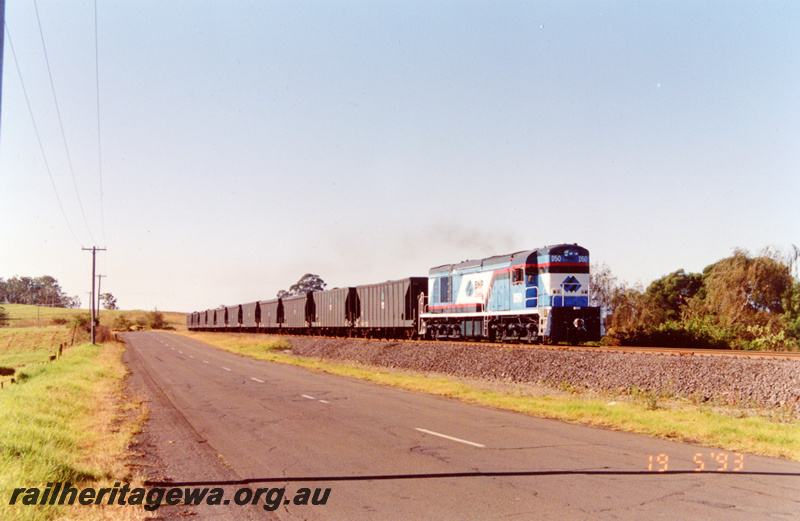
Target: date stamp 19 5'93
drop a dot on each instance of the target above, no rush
(703, 462)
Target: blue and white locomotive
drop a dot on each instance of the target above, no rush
(534, 296)
(531, 296)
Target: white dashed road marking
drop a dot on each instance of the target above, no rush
(450, 438)
(257, 380)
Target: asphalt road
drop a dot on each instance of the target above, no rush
(219, 419)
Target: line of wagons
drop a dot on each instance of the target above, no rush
(385, 310)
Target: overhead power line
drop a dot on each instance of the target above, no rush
(99, 148)
(38, 137)
(61, 124)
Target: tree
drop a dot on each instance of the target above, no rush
(633, 308)
(602, 284)
(308, 283)
(40, 291)
(672, 292)
(109, 301)
(740, 302)
(156, 320)
(791, 316)
(742, 289)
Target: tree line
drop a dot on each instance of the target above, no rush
(741, 302)
(38, 291)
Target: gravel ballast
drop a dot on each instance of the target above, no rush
(722, 380)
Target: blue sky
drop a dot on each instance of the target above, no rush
(243, 144)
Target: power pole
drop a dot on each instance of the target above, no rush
(94, 251)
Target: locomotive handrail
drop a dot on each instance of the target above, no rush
(423, 303)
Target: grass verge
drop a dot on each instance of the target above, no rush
(64, 422)
(687, 423)
(20, 347)
(22, 315)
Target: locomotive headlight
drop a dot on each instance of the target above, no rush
(578, 323)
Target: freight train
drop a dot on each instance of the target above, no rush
(537, 296)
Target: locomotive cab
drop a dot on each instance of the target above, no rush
(564, 273)
(565, 315)
(524, 281)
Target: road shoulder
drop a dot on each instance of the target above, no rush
(168, 449)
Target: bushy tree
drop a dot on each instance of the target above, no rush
(791, 305)
(602, 286)
(742, 289)
(109, 301)
(740, 302)
(121, 321)
(634, 308)
(81, 321)
(671, 293)
(155, 319)
(308, 283)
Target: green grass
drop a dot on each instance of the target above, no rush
(641, 415)
(21, 315)
(21, 347)
(63, 422)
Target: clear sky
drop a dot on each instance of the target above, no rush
(244, 143)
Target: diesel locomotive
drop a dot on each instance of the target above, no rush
(537, 296)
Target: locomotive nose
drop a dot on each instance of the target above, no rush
(578, 323)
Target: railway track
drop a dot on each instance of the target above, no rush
(682, 351)
(671, 351)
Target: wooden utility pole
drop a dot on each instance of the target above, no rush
(94, 250)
